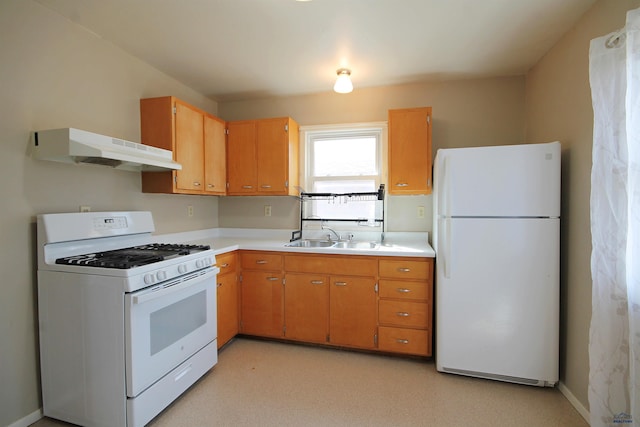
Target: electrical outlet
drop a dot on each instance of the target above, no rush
(267, 210)
(85, 208)
(190, 211)
(420, 211)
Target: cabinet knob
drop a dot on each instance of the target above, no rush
(248, 187)
(402, 184)
(225, 265)
(402, 314)
(341, 283)
(404, 270)
(210, 185)
(197, 184)
(401, 341)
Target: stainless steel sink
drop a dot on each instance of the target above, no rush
(355, 245)
(309, 243)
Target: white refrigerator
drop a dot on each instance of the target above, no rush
(496, 236)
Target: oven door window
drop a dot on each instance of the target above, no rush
(165, 326)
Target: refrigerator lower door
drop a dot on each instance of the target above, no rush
(497, 299)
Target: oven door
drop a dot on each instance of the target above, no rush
(166, 324)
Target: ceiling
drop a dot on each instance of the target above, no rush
(244, 49)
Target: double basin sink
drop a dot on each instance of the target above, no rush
(333, 244)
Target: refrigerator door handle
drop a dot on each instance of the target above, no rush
(445, 257)
(445, 180)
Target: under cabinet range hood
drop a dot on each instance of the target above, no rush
(71, 145)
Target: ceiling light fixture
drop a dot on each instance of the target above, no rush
(343, 82)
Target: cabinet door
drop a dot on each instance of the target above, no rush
(215, 158)
(227, 307)
(189, 147)
(306, 307)
(272, 145)
(410, 151)
(262, 303)
(352, 311)
(242, 172)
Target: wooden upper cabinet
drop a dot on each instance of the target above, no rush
(189, 147)
(197, 141)
(262, 157)
(215, 156)
(242, 163)
(410, 158)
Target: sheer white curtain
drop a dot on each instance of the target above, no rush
(614, 346)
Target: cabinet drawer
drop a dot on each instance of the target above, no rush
(406, 269)
(399, 340)
(402, 289)
(261, 261)
(404, 313)
(227, 262)
(347, 265)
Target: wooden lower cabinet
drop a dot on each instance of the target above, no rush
(405, 305)
(262, 294)
(306, 298)
(352, 311)
(366, 302)
(228, 298)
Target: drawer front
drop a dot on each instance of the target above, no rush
(401, 289)
(351, 265)
(404, 313)
(227, 262)
(261, 261)
(399, 340)
(407, 269)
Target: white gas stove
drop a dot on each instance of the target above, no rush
(126, 325)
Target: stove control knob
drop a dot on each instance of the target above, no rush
(161, 275)
(149, 279)
(182, 268)
(199, 263)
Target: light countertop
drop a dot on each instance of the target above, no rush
(222, 240)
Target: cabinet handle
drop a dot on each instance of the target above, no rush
(261, 261)
(317, 282)
(197, 184)
(402, 314)
(341, 283)
(403, 290)
(402, 184)
(225, 265)
(272, 279)
(219, 285)
(404, 270)
(247, 186)
(401, 341)
(265, 186)
(210, 185)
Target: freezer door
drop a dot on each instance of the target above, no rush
(503, 181)
(497, 298)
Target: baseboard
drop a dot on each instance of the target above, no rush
(575, 402)
(28, 420)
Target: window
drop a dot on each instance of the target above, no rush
(343, 159)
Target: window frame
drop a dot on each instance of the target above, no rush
(310, 134)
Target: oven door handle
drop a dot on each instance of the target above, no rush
(147, 296)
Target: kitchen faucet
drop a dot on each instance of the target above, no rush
(322, 226)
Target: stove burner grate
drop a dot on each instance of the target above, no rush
(132, 257)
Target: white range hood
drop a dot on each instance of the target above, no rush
(71, 145)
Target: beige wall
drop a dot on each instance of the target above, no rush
(559, 106)
(55, 74)
(465, 113)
